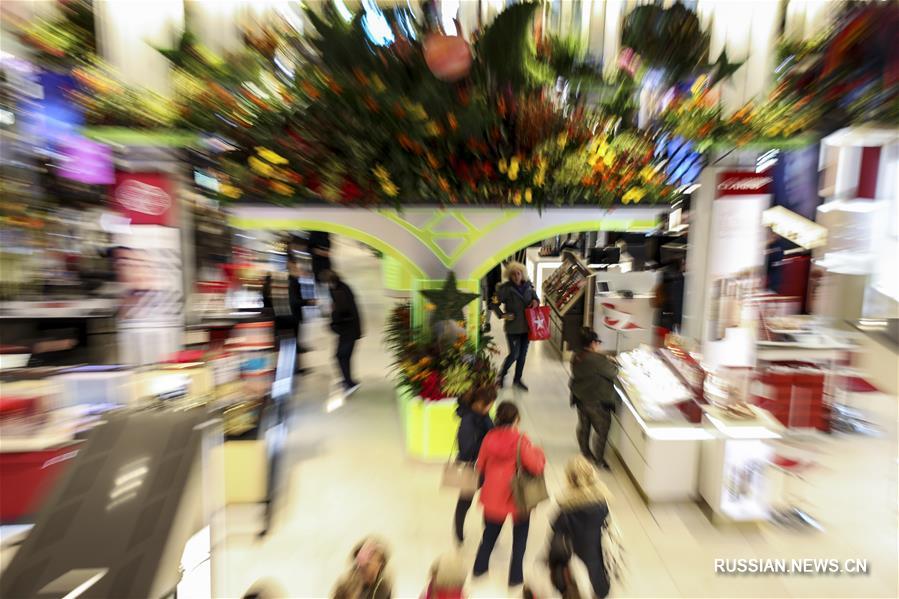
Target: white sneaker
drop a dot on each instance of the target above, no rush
(350, 391)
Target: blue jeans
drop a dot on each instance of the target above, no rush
(518, 351)
(519, 544)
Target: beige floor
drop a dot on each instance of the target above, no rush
(349, 477)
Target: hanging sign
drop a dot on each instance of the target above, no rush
(145, 198)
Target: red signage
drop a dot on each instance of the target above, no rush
(737, 183)
(145, 198)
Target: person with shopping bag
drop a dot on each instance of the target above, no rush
(474, 424)
(582, 519)
(513, 298)
(510, 464)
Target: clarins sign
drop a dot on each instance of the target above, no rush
(743, 183)
(145, 198)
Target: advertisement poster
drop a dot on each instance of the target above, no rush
(736, 261)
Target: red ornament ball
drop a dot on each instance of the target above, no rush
(448, 56)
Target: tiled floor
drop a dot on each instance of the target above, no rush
(349, 477)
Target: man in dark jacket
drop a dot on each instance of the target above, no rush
(346, 323)
(593, 394)
(516, 295)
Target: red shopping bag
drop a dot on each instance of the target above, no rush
(538, 323)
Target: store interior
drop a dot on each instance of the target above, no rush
(254, 267)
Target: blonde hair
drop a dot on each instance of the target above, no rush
(583, 477)
(513, 267)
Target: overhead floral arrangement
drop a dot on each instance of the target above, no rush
(437, 360)
(419, 117)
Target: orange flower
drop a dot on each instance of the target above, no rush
(432, 160)
(443, 183)
(360, 76)
(335, 87)
(310, 90)
(372, 105)
(453, 123)
(398, 111)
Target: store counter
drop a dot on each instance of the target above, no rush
(662, 456)
(735, 459)
(623, 315)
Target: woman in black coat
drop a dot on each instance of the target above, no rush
(346, 323)
(583, 510)
(474, 424)
(593, 393)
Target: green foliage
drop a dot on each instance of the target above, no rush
(667, 38)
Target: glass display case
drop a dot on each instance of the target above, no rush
(569, 292)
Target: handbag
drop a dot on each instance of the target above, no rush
(538, 323)
(460, 475)
(528, 490)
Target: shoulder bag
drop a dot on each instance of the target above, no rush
(460, 475)
(528, 490)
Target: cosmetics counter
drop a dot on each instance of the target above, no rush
(678, 445)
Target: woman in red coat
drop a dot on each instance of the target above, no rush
(497, 463)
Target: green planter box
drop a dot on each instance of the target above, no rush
(429, 427)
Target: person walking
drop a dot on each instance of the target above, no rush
(593, 394)
(297, 303)
(474, 424)
(497, 462)
(367, 577)
(516, 294)
(583, 509)
(346, 323)
(447, 578)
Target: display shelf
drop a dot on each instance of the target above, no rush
(565, 286)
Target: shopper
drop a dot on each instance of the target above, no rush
(583, 510)
(497, 462)
(474, 424)
(297, 301)
(447, 579)
(593, 394)
(346, 323)
(558, 562)
(516, 294)
(367, 577)
(320, 248)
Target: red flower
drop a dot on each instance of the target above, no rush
(350, 191)
(432, 387)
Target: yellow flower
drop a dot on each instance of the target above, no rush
(433, 129)
(430, 307)
(647, 173)
(260, 168)
(381, 173)
(501, 165)
(528, 195)
(377, 84)
(513, 169)
(270, 156)
(540, 177)
(281, 188)
(417, 111)
(230, 191)
(562, 140)
(390, 188)
(516, 199)
(634, 194)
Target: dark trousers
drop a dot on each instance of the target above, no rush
(345, 346)
(518, 351)
(462, 507)
(593, 418)
(519, 544)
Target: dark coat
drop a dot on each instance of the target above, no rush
(592, 379)
(473, 427)
(515, 302)
(345, 319)
(582, 524)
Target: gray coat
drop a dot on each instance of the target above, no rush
(515, 302)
